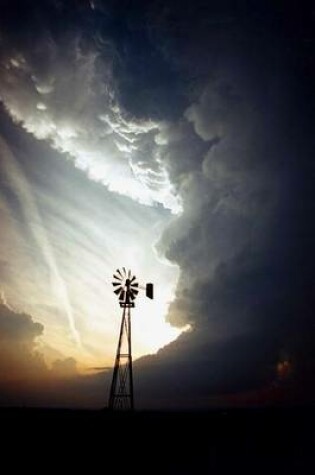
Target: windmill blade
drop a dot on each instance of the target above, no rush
(127, 288)
(133, 294)
(122, 295)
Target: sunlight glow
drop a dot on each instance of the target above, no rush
(81, 244)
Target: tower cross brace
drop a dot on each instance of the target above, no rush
(121, 391)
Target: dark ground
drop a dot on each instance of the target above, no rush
(232, 441)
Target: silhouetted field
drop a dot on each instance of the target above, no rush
(241, 441)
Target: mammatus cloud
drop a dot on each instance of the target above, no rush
(65, 92)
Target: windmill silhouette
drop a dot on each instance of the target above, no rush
(126, 288)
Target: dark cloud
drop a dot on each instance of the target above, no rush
(67, 90)
(19, 358)
(25, 378)
(244, 240)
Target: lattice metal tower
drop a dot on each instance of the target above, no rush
(121, 391)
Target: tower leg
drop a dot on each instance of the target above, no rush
(121, 391)
(130, 362)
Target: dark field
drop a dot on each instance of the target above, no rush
(234, 441)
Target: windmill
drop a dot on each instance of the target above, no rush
(126, 288)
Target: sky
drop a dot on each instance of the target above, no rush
(175, 140)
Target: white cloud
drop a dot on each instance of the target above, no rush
(70, 100)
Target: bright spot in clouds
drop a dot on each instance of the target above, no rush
(82, 227)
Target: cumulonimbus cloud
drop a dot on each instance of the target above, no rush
(243, 240)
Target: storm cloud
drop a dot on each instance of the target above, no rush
(207, 110)
(18, 333)
(244, 240)
(25, 376)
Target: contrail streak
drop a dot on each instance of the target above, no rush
(34, 221)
